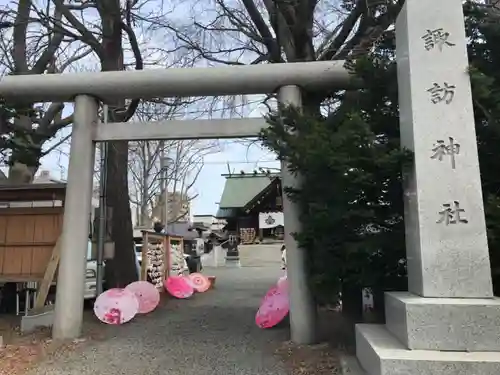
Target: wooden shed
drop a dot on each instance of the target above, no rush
(31, 218)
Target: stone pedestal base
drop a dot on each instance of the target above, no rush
(448, 324)
(233, 262)
(380, 353)
(428, 336)
(216, 258)
(36, 319)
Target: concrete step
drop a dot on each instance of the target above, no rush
(380, 353)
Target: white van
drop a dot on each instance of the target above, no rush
(90, 275)
(90, 292)
(91, 272)
(138, 253)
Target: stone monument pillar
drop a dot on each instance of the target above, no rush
(448, 323)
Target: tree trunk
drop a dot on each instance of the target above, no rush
(121, 270)
(352, 307)
(352, 302)
(20, 173)
(379, 305)
(24, 163)
(311, 103)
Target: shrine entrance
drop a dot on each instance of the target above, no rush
(446, 323)
(90, 90)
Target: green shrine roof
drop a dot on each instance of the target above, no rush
(241, 189)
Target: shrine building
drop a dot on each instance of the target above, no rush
(252, 205)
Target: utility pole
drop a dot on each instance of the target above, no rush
(165, 162)
(103, 148)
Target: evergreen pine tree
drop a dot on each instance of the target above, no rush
(351, 165)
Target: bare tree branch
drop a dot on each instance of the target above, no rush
(90, 39)
(145, 162)
(19, 34)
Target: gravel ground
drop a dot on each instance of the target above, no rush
(212, 333)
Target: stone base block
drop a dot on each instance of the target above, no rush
(36, 319)
(233, 262)
(450, 324)
(380, 353)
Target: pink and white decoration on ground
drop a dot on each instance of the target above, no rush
(116, 306)
(147, 295)
(273, 309)
(200, 282)
(179, 287)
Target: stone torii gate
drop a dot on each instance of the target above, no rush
(448, 322)
(88, 89)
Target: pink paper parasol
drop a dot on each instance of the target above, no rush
(147, 294)
(116, 306)
(274, 308)
(179, 287)
(188, 280)
(200, 282)
(271, 293)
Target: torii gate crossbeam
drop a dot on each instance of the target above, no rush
(176, 82)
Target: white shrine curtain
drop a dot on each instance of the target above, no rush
(268, 220)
